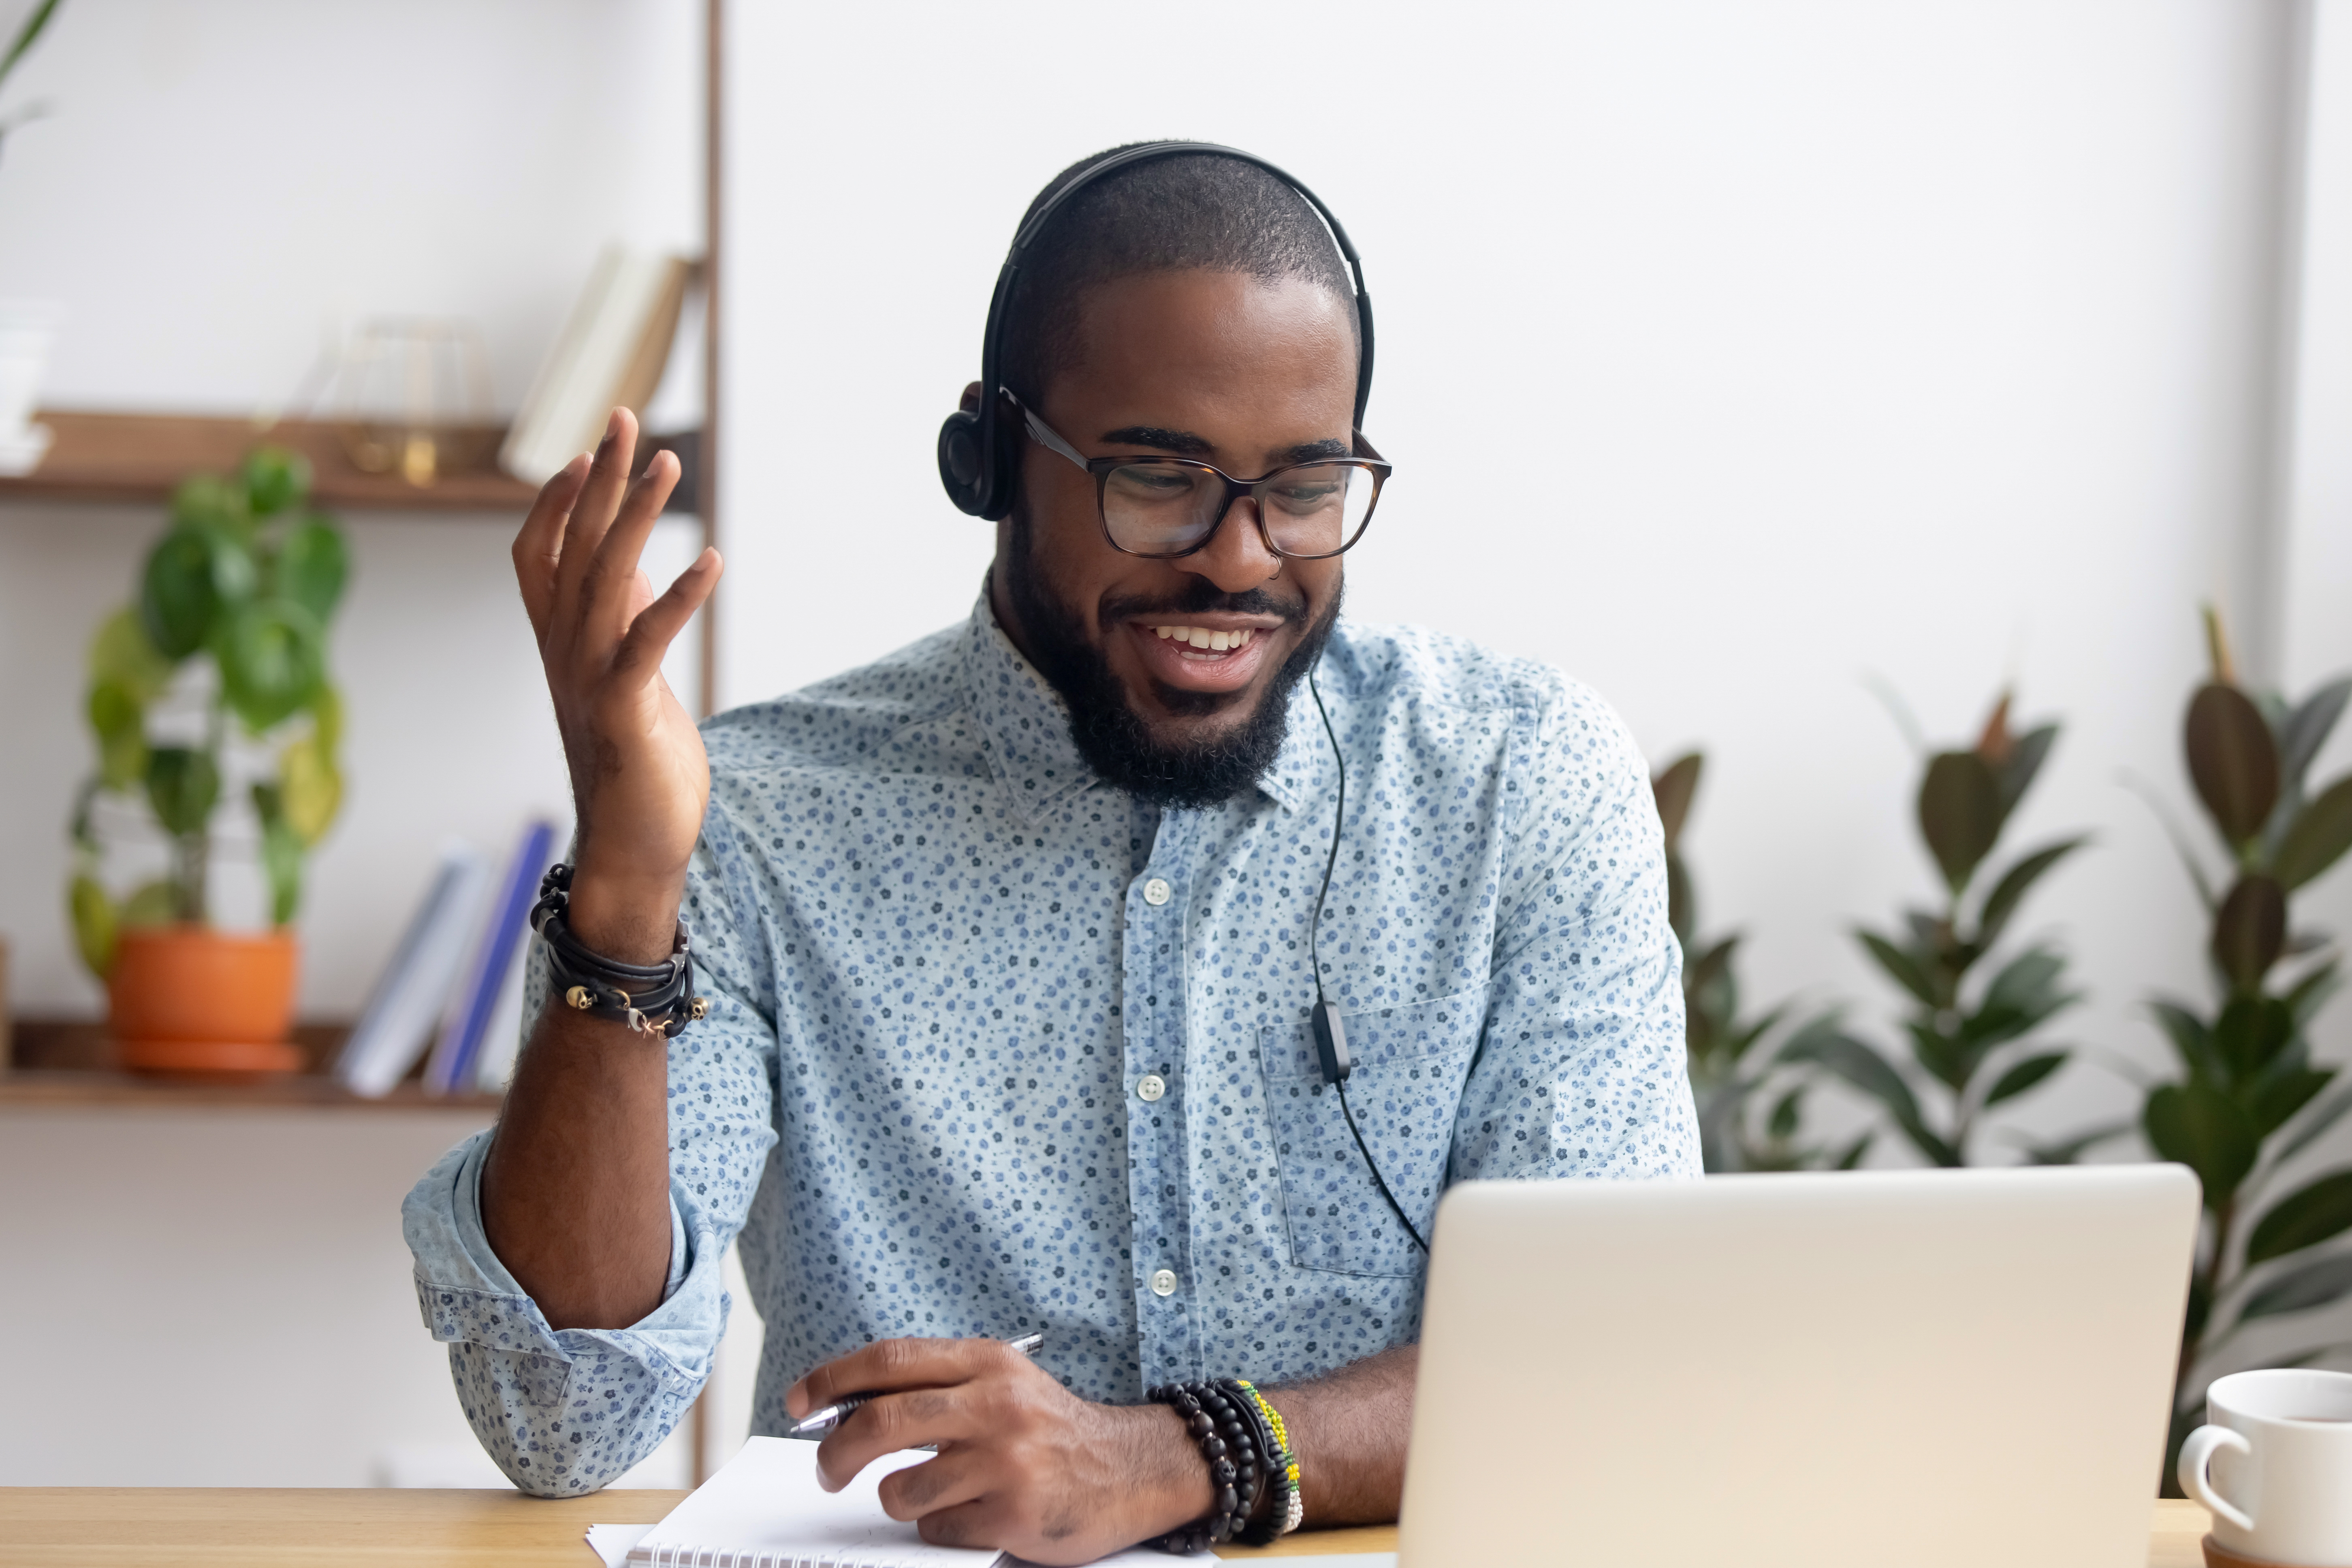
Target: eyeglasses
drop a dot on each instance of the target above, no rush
(1168, 507)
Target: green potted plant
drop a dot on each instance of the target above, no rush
(1961, 1029)
(2247, 1099)
(210, 688)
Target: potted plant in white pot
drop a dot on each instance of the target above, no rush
(212, 688)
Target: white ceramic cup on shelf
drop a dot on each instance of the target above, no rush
(2274, 1464)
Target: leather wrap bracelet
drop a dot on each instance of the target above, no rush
(650, 998)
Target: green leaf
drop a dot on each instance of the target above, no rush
(1948, 1062)
(2308, 994)
(327, 718)
(94, 923)
(183, 786)
(2314, 1126)
(193, 576)
(1904, 966)
(208, 503)
(2304, 1218)
(2025, 759)
(313, 792)
(122, 652)
(272, 660)
(2204, 1129)
(2321, 833)
(1852, 1159)
(2305, 730)
(312, 565)
(281, 853)
(34, 23)
(2023, 1076)
(2280, 1095)
(1868, 1071)
(2250, 932)
(2189, 1037)
(275, 479)
(2233, 760)
(1682, 898)
(120, 719)
(2300, 1289)
(1673, 790)
(2010, 890)
(1959, 813)
(2249, 1034)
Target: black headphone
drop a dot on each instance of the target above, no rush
(977, 460)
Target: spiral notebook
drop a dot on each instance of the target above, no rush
(764, 1509)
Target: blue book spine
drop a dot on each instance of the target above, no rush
(501, 940)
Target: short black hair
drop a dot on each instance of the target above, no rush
(1186, 211)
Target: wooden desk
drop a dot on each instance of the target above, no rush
(318, 1527)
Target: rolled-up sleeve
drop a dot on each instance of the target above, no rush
(1581, 1069)
(565, 1411)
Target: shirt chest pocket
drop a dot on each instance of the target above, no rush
(1405, 1089)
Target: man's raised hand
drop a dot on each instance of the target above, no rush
(639, 776)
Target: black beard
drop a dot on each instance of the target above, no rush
(1113, 738)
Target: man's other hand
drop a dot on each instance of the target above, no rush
(1024, 1466)
(639, 777)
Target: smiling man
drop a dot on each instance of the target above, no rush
(1134, 964)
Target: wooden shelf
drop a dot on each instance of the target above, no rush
(40, 1088)
(66, 1063)
(143, 457)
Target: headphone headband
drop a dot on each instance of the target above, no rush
(976, 464)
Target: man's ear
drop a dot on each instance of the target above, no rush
(971, 401)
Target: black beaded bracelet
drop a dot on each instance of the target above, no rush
(1228, 1434)
(651, 998)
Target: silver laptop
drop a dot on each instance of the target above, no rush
(1838, 1371)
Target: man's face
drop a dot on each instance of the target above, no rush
(1219, 367)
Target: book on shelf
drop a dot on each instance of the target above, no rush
(611, 353)
(473, 1004)
(397, 1025)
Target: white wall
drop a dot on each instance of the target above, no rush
(221, 1298)
(1927, 342)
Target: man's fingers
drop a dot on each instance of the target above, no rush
(540, 544)
(957, 1476)
(917, 1418)
(603, 592)
(886, 1364)
(966, 1524)
(592, 512)
(650, 634)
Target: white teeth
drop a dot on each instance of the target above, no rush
(1202, 638)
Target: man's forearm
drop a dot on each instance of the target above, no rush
(575, 1189)
(1348, 1429)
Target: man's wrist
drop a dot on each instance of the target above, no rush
(627, 919)
(1171, 1459)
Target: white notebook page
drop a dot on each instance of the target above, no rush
(764, 1507)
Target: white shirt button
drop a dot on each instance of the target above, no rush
(1152, 1087)
(1155, 892)
(1163, 1283)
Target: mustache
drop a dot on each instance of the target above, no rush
(1200, 596)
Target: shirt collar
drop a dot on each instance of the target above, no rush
(1024, 729)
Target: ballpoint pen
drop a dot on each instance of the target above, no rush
(820, 1422)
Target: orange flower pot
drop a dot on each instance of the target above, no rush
(190, 999)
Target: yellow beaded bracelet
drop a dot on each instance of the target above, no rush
(1294, 1504)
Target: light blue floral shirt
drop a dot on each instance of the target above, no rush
(994, 1048)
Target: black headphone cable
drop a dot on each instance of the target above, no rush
(1330, 1036)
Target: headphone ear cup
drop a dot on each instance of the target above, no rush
(961, 468)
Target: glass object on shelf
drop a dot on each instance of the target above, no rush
(411, 395)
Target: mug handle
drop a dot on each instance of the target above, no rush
(2198, 1452)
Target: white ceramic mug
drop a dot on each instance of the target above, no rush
(2278, 1447)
